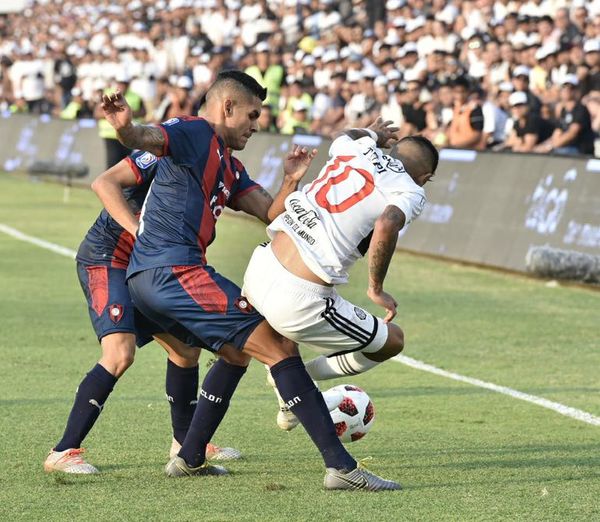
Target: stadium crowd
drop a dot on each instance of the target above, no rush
(504, 74)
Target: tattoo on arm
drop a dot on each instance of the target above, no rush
(143, 137)
(266, 196)
(381, 252)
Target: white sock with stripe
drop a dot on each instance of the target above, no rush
(323, 368)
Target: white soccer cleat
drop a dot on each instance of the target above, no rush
(213, 452)
(286, 420)
(68, 461)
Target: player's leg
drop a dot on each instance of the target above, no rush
(181, 387)
(341, 364)
(307, 403)
(112, 315)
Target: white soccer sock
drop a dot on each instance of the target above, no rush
(323, 368)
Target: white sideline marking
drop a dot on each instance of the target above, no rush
(57, 249)
(574, 413)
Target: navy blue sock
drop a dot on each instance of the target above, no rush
(306, 402)
(217, 389)
(89, 401)
(182, 393)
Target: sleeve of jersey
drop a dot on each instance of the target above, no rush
(143, 165)
(344, 145)
(244, 186)
(186, 139)
(411, 203)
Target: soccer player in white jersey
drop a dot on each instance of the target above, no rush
(360, 201)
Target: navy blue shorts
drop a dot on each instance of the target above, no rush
(110, 306)
(195, 304)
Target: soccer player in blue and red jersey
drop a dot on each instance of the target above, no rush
(102, 261)
(172, 284)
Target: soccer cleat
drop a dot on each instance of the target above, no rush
(286, 420)
(177, 467)
(68, 461)
(357, 479)
(213, 452)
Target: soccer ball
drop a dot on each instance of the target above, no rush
(354, 416)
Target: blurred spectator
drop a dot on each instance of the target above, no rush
(266, 120)
(298, 122)
(180, 99)
(466, 128)
(341, 53)
(269, 75)
(77, 108)
(574, 132)
(528, 128)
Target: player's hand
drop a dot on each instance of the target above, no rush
(297, 162)
(384, 300)
(386, 133)
(116, 110)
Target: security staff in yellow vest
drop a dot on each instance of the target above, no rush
(115, 152)
(269, 75)
(77, 107)
(299, 121)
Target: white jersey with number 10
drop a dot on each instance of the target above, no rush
(331, 219)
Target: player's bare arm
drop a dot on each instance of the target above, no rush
(259, 202)
(384, 131)
(144, 137)
(381, 250)
(109, 186)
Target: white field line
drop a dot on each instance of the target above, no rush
(574, 413)
(57, 249)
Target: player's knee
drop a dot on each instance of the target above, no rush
(395, 339)
(118, 353)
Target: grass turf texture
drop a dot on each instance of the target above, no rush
(461, 452)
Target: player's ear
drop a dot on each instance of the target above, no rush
(228, 107)
(424, 178)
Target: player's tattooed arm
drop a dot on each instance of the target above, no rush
(256, 203)
(381, 250)
(144, 137)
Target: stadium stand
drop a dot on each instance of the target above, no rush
(445, 68)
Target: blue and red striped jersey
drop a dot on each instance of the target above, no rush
(107, 242)
(195, 180)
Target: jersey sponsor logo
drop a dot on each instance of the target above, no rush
(361, 314)
(383, 162)
(242, 304)
(295, 227)
(306, 217)
(172, 121)
(145, 160)
(115, 312)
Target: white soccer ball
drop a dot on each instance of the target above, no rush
(354, 416)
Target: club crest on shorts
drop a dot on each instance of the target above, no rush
(242, 304)
(115, 312)
(361, 314)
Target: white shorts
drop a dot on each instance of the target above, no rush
(306, 312)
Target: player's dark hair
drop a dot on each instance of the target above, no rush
(429, 154)
(238, 80)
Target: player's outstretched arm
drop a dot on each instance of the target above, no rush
(260, 204)
(385, 133)
(109, 186)
(381, 249)
(144, 137)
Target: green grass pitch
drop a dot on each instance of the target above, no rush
(461, 452)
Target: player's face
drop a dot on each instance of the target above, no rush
(242, 122)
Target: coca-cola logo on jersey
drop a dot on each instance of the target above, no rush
(307, 217)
